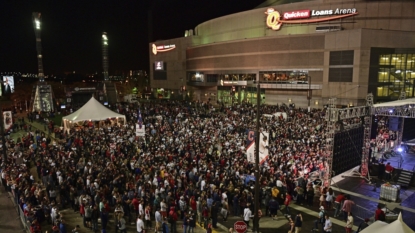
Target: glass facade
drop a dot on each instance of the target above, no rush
(396, 74)
(240, 95)
(392, 71)
(287, 76)
(210, 78)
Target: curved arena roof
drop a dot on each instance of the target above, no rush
(278, 2)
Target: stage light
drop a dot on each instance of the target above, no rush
(400, 149)
(391, 111)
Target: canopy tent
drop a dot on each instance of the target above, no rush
(396, 103)
(91, 111)
(398, 108)
(397, 226)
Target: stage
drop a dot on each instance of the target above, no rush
(366, 197)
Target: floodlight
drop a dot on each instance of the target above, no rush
(37, 22)
(400, 149)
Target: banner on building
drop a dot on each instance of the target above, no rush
(263, 146)
(140, 131)
(7, 120)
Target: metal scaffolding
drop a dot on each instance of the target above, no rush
(331, 117)
(367, 125)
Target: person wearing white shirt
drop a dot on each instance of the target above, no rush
(141, 209)
(279, 184)
(202, 184)
(140, 225)
(327, 224)
(159, 220)
(247, 215)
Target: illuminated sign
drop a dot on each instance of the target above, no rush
(275, 19)
(158, 65)
(162, 48)
(303, 14)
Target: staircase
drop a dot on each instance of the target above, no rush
(111, 92)
(405, 178)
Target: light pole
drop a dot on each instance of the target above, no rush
(256, 198)
(309, 93)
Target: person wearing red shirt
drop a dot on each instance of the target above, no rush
(338, 203)
(135, 204)
(378, 213)
(388, 171)
(287, 202)
(193, 204)
(174, 218)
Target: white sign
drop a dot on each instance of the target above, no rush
(7, 119)
(263, 147)
(140, 132)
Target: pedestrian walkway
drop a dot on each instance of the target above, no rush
(9, 220)
(268, 225)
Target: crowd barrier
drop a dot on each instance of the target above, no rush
(20, 212)
(360, 213)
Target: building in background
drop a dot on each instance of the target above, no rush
(341, 49)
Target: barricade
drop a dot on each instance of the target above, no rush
(22, 217)
(361, 213)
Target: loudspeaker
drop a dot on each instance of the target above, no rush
(394, 123)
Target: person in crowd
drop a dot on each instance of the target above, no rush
(388, 171)
(247, 215)
(328, 226)
(329, 198)
(300, 195)
(122, 225)
(274, 206)
(62, 227)
(347, 207)
(173, 219)
(192, 222)
(349, 222)
(76, 229)
(158, 218)
(140, 225)
(310, 195)
(321, 219)
(165, 226)
(298, 223)
(338, 203)
(363, 225)
(185, 223)
(291, 225)
(287, 204)
(379, 213)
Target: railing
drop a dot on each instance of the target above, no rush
(362, 213)
(22, 217)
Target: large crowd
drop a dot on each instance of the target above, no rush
(191, 165)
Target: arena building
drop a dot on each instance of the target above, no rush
(339, 49)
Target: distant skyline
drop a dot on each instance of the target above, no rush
(71, 31)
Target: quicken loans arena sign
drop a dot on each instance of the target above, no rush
(275, 20)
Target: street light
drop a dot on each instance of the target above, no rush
(256, 198)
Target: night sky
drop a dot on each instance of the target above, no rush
(71, 31)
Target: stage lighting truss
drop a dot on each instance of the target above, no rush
(333, 116)
(407, 111)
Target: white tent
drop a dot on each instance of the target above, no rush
(397, 226)
(91, 111)
(396, 103)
